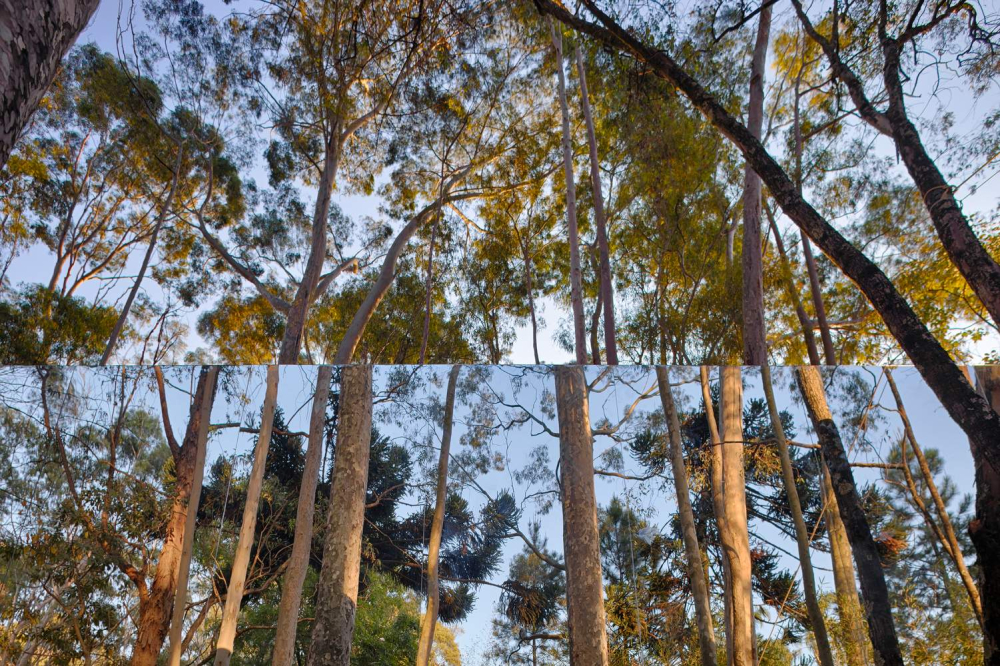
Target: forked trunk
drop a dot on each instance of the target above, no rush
(337, 597)
(298, 561)
(429, 622)
(689, 531)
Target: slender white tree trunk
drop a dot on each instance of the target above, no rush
(816, 618)
(337, 597)
(575, 272)
(600, 218)
(689, 532)
(588, 642)
(298, 561)
(754, 333)
(437, 527)
(238, 577)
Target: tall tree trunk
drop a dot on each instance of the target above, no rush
(689, 532)
(34, 37)
(878, 609)
(754, 333)
(298, 311)
(816, 620)
(600, 219)
(298, 561)
(169, 588)
(793, 292)
(718, 505)
(736, 533)
(985, 528)
(588, 642)
(133, 292)
(429, 290)
(950, 540)
(844, 582)
(248, 528)
(595, 317)
(337, 597)
(531, 302)
(575, 273)
(429, 622)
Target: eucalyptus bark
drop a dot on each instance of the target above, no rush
(754, 332)
(298, 561)
(169, 587)
(735, 534)
(588, 642)
(950, 540)
(985, 528)
(429, 622)
(575, 272)
(34, 37)
(133, 292)
(337, 596)
(689, 532)
(241, 561)
(600, 220)
(845, 584)
(878, 609)
(802, 540)
(718, 504)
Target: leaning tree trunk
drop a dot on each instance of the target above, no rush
(169, 588)
(754, 334)
(878, 609)
(985, 529)
(34, 37)
(950, 539)
(298, 561)
(600, 220)
(689, 531)
(588, 642)
(337, 597)
(735, 533)
(429, 622)
(238, 577)
(844, 582)
(575, 272)
(718, 505)
(816, 619)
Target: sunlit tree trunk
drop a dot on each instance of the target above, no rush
(575, 272)
(169, 587)
(816, 620)
(600, 219)
(736, 534)
(878, 610)
(718, 505)
(337, 597)
(298, 561)
(689, 532)
(588, 642)
(241, 560)
(429, 621)
(754, 333)
(34, 37)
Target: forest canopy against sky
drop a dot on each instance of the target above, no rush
(248, 183)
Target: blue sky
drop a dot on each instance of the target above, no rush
(932, 426)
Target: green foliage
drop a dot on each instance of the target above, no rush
(38, 326)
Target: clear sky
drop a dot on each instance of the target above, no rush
(416, 431)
